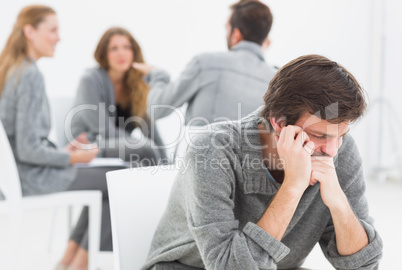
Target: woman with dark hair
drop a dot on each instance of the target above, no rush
(111, 100)
(110, 104)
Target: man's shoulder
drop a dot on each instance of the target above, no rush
(229, 60)
(212, 55)
(348, 152)
(230, 135)
(348, 163)
(215, 138)
(212, 58)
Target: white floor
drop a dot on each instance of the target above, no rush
(385, 205)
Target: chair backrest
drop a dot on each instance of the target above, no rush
(60, 107)
(10, 184)
(138, 198)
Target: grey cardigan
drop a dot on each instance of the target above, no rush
(217, 86)
(96, 92)
(25, 114)
(223, 190)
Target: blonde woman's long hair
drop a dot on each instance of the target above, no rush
(16, 49)
(135, 89)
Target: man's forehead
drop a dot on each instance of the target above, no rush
(314, 124)
(340, 132)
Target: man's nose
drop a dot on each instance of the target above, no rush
(331, 147)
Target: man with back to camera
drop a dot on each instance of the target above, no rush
(260, 192)
(221, 86)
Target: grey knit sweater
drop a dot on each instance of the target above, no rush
(25, 114)
(215, 86)
(223, 190)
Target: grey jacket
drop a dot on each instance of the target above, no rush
(96, 91)
(223, 190)
(217, 86)
(25, 114)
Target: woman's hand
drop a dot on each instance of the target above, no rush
(144, 68)
(83, 156)
(81, 142)
(81, 150)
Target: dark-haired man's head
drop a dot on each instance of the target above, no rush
(250, 20)
(317, 94)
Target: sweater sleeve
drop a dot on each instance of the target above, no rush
(31, 148)
(350, 175)
(157, 79)
(209, 192)
(163, 100)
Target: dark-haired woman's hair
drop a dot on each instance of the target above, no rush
(135, 89)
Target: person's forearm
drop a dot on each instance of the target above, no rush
(350, 234)
(281, 210)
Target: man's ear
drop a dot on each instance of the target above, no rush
(277, 124)
(28, 31)
(236, 36)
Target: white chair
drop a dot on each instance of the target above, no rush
(137, 198)
(60, 107)
(15, 204)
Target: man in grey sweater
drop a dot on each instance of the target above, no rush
(226, 85)
(259, 193)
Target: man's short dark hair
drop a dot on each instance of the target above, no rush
(314, 84)
(253, 19)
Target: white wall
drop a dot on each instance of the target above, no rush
(171, 32)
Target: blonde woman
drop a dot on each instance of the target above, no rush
(24, 112)
(112, 100)
(24, 107)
